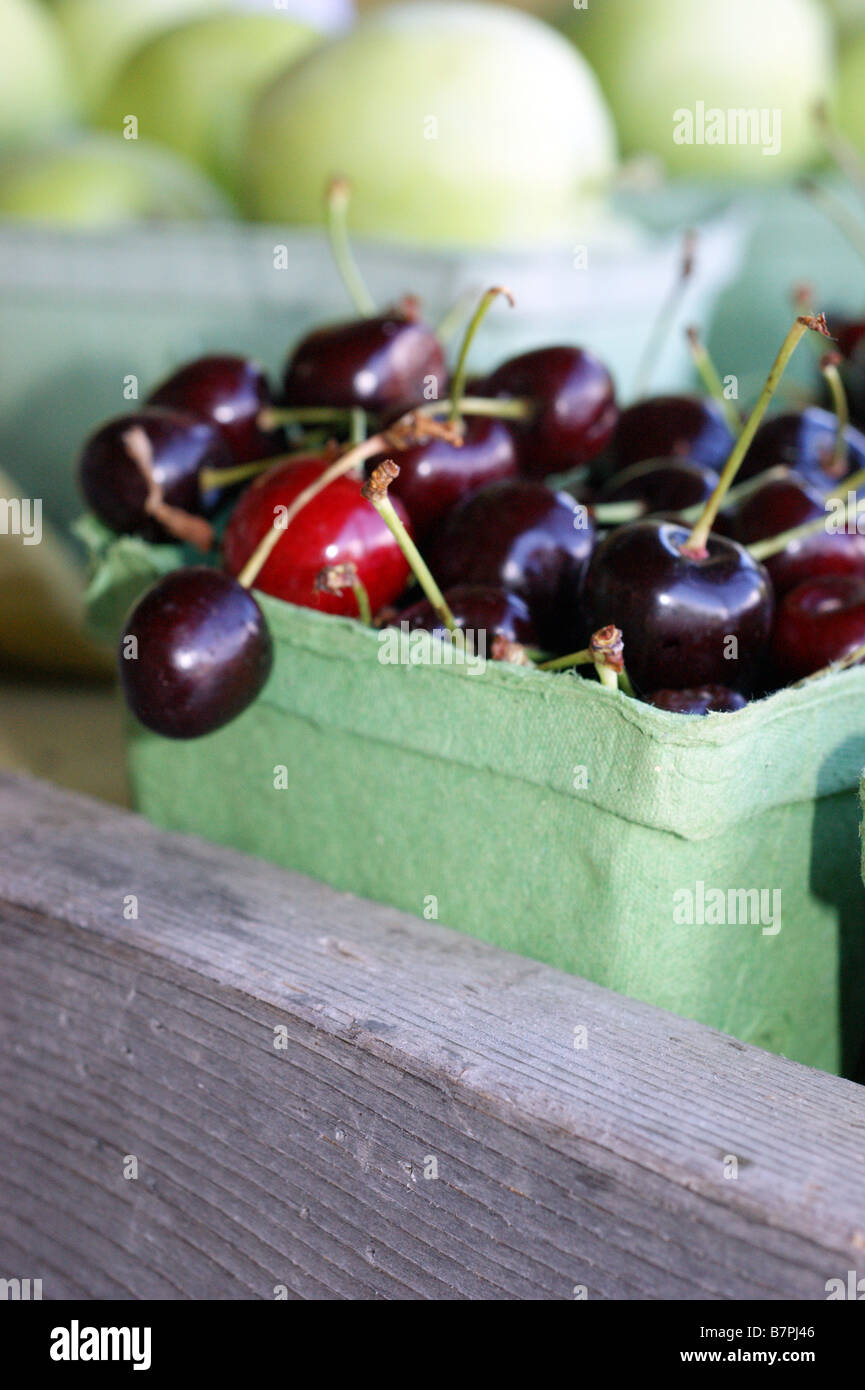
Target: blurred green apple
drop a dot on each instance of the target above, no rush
(92, 180)
(674, 69)
(456, 124)
(851, 90)
(102, 34)
(35, 81)
(191, 87)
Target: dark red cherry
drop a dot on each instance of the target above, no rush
(787, 501)
(434, 476)
(195, 652)
(171, 445)
(339, 526)
(803, 440)
(520, 536)
(230, 392)
(850, 339)
(483, 611)
(686, 621)
(664, 485)
(820, 621)
(683, 427)
(704, 699)
(575, 409)
(385, 365)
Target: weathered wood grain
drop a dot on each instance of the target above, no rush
(304, 1166)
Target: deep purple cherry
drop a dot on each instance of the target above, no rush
(804, 440)
(663, 485)
(683, 427)
(483, 611)
(521, 536)
(574, 409)
(230, 392)
(435, 475)
(153, 453)
(195, 652)
(384, 364)
(820, 621)
(782, 503)
(686, 620)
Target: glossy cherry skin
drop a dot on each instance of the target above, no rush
(339, 526)
(677, 613)
(434, 476)
(522, 537)
(704, 699)
(664, 485)
(114, 485)
(782, 503)
(478, 609)
(230, 392)
(661, 427)
(820, 621)
(201, 653)
(803, 440)
(575, 409)
(385, 365)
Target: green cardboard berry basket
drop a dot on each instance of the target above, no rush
(545, 814)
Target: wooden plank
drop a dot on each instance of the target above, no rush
(301, 1167)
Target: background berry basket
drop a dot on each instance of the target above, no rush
(548, 816)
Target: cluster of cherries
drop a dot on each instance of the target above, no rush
(325, 495)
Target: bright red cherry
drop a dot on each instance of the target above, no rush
(151, 450)
(782, 503)
(230, 392)
(804, 440)
(575, 409)
(661, 427)
(478, 609)
(436, 475)
(705, 699)
(664, 485)
(384, 364)
(820, 621)
(337, 527)
(522, 537)
(195, 652)
(686, 621)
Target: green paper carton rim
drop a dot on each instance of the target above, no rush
(690, 776)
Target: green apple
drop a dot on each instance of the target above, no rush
(457, 124)
(102, 34)
(191, 87)
(92, 180)
(851, 87)
(35, 81)
(660, 61)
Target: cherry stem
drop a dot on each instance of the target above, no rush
(696, 543)
(617, 513)
(666, 316)
(210, 479)
(605, 652)
(348, 461)
(837, 212)
(338, 199)
(461, 371)
(375, 492)
(831, 375)
(739, 492)
(772, 545)
(563, 663)
(359, 426)
(712, 381)
(334, 579)
(450, 321)
(273, 416)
